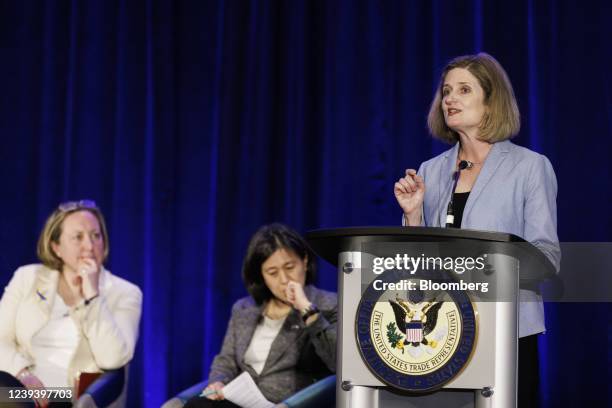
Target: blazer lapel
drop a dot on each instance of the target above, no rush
(46, 290)
(291, 330)
(40, 301)
(446, 182)
(495, 157)
(248, 321)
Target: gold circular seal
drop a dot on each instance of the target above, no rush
(415, 338)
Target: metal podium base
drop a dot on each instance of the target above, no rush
(372, 397)
(358, 388)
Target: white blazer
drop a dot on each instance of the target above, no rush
(108, 326)
(515, 193)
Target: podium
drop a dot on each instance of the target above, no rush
(417, 336)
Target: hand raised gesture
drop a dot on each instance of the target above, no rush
(409, 192)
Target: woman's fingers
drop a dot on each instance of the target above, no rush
(408, 184)
(90, 262)
(292, 291)
(87, 266)
(414, 180)
(216, 396)
(297, 297)
(399, 189)
(412, 185)
(214, 391)
(289, 294)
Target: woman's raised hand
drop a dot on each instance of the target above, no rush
(89, 271)
(295, 296)
(409, 192)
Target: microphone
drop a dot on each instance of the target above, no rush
(450, 216)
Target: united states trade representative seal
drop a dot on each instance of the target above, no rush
(415, 340)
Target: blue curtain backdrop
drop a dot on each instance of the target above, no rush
(192, 123)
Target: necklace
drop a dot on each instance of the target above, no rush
(470, 164)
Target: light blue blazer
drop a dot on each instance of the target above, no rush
(515, 193)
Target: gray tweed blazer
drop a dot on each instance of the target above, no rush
(299, 355)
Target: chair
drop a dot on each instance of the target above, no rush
(321, 394)
(109, 390)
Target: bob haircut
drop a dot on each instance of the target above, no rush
(52, 231)
(267, 240)
(501, 120)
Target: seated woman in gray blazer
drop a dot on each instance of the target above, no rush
(68, 314)
(504, 187)
(284, 334)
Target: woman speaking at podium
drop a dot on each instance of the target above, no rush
(496, 185)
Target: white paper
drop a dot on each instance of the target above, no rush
(243, 391)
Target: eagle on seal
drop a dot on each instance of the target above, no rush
(415, 320)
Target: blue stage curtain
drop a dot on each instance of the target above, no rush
(192, 123)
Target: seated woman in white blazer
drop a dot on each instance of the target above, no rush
(68, 314)
(502, 187)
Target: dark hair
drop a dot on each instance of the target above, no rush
(267, 240)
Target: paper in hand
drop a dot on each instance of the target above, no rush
(243, 391)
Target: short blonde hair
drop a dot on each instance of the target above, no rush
(501, 120)
(52, 231)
